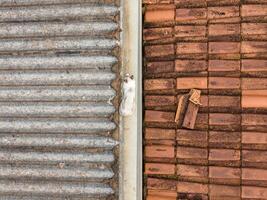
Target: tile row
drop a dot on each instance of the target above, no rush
(210, 174)
(199, 3)
(201, 156)
(215, 121)
(200, 50)
(211, 32)
(182, 83)
(172, 190)
(156, 14)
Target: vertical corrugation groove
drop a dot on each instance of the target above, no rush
(58, 61)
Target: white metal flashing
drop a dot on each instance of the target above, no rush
(131, 126)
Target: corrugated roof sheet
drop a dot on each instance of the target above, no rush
(56, 111)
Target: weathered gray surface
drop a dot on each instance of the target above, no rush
(56, 12)
(57, 62)
(56, 111)
(57, 93)
(15, 3)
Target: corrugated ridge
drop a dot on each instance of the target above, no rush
(15, 3)
(35, 78)
(58, 141)
(44, 13)
(54, 173)
(57, 62)
(53, 93)
(50, 44)
(57, 189)
(37, 109)
(11, 197)
(55, 125)
(46, 158)
(52, 29)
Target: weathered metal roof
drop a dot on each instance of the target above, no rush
(57, 62)
(50, 2)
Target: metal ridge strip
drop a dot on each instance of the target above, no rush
(53, 93)
(55, 109)
(12, 78)
(41, 158)
(45, 13)
(57, 62)
(66, 141)
(57, 44)
(51, 29)
(15, 3)
(54, 173)
(54, 125)
(57, 189)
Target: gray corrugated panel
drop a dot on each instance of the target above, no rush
(14, 3)
(57, 62)
(54, 173)
(9, 78)
(12, 197)
(56, 44)
(53, 93)
(52, 125)
(35, 13)
(48, 29)
(54, 109)
(54, 189)
(58, 141)
(44, 158)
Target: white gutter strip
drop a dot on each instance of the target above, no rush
(131, 126)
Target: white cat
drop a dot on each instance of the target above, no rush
(128, 96)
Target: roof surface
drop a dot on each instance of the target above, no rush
(220, 48)
(57, 121)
